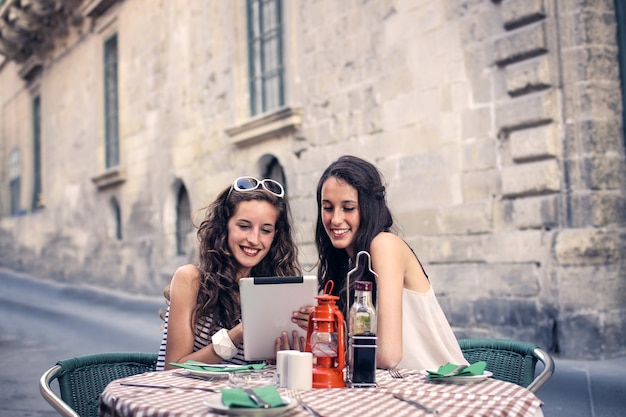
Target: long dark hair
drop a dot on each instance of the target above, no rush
(375, 217)
(218, 295)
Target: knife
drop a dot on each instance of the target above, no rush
(212, 365)
(136, 384)
(415, 404)
(258, 400)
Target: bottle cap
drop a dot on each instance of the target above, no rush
(363, 286)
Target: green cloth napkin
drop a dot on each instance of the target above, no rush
(236, 397)
(201, 366)
(443, 372)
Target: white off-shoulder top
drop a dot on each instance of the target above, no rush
(427, 338)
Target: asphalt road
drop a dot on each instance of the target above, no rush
(42, 322)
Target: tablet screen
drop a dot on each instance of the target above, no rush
(267, 304)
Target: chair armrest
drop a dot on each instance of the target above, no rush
(547, 371)
(50, 396)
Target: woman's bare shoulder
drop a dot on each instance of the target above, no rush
(387, 241)
(186, 275)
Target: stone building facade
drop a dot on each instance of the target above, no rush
(498, 126)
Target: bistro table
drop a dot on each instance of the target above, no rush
(486, 398)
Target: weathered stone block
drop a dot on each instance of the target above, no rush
(424, 164)
(606, 172)
(476, 59)
(598, 136)
(456, 281)
(523, 43)
(451, 250)
(595, 100)
(422, 222)
(584, 279)
(483, 26)
(590, 63)
(467, 218)
(506, 311)
(589, 26)
(535, 212)
(531, 179)
(477, 123)
(527, 246)
(511, 247)
(589, 246)
(591, 335)
(528, 110)
(518, 12)
(459, 314)
(513, 280)
(607, 209)
(459, 8)
(440, 189)
(479, 155)
(502, 215)
(539, 142)
(529, 75)
(480, 185)
(574, 6)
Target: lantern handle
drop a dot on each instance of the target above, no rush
(328, 288)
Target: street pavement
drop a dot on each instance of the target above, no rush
(43, 321)
(585, 388)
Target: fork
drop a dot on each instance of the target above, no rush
(306, 407)
(397, 375)
(196, 377)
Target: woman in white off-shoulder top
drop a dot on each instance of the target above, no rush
(353, 216)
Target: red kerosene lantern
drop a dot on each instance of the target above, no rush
(325, 339)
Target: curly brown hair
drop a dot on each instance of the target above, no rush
(218, 295)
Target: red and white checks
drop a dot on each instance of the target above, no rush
(487, 398)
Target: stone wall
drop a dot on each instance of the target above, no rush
(497, 126)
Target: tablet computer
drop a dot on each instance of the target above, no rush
(267, 304)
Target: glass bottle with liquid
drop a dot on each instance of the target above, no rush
(363, 336)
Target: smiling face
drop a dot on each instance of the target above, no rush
(251, 231)
(340, 213)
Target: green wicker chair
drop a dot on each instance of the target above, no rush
(82, 379)
(510, 360)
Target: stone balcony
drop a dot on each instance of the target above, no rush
(29, 29)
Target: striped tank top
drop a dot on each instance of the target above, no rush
(201, 339)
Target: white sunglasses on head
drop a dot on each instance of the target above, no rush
(243, 184)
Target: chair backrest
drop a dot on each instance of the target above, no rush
(510, 360)
(82, 379)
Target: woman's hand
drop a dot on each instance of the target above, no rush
(301, 317)
(283, 342)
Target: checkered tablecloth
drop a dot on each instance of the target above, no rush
(486, 398)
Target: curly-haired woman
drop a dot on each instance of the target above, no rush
(246, 231)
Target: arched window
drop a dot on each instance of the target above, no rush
(183, 220)
(116, 219)
(271, 168)
(15, 176)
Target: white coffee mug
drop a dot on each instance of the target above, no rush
(282, 365)
(300, 371)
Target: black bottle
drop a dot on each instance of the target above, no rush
(363, 336)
